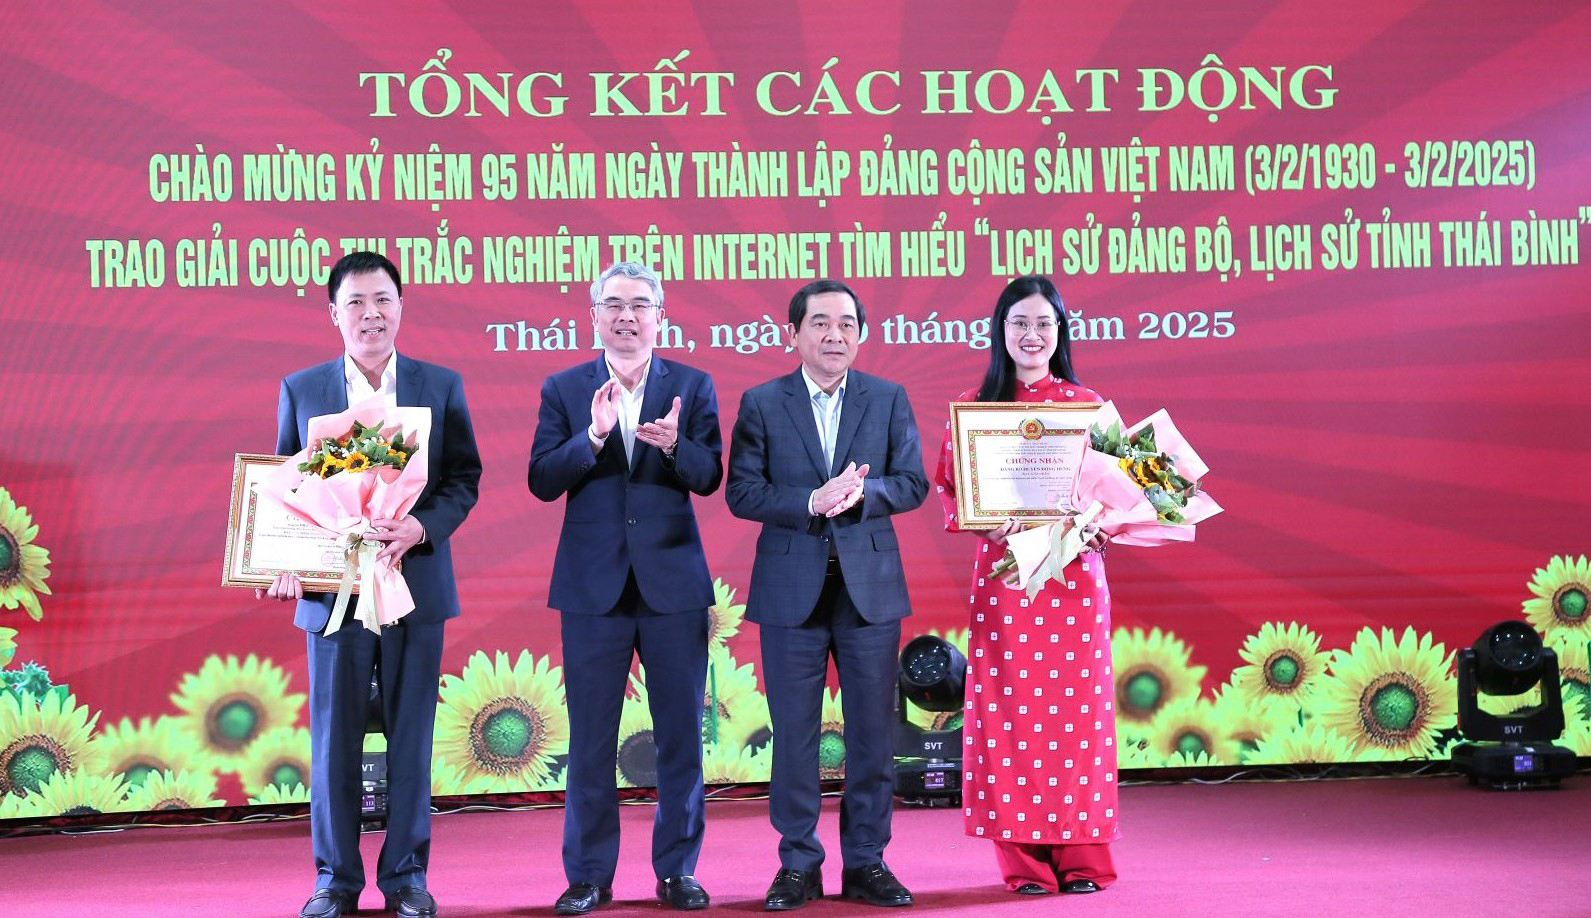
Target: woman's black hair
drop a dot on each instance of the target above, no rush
(999, 384)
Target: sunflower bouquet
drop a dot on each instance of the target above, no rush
(361, 449)
(363, 464)
(1146, 477)
(1139, 485)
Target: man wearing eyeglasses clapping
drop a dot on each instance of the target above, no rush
(628, 438)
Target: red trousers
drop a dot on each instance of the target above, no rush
(1051, 865)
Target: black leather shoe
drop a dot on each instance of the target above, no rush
(1031, 889)
(329, 903)
(1080, 886)
(581, 898)
(412, 902)
(683, 893)
(793, 888)
(873, 884)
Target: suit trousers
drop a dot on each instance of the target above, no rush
(408, 658)
(795, 668)
(597, 651)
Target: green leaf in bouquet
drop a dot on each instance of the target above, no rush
(1145, 440)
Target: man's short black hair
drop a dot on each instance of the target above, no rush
(360, 263)
(798, 303)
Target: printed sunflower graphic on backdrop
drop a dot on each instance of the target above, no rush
(448, 780)
(136, 751)
(81, 794)
(1310, 744)
(1136, 755)
(735, 766)
(43, 737)
(1389, 696)
(741, 712)
(8, 645)
(831, 738)
(1559, 607)
(274, 794)
(1248, 720)
(1282, 662)
(1577, 738)
(504, 723)
(636, 761)
(181, 790)
(1192, 729)
(940, 720)
(1574, 673)
(279, 757)
(228, 704)
(23, 566)
(1152, 670)
(724, 616)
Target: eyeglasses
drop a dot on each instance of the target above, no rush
(615, 308)
(1044, 327)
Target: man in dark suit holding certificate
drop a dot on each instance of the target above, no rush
(627, 438)
(405, 658)
(823, 457)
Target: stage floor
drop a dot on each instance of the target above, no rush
(1374, 847)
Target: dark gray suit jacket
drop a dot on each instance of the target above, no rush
(776, 461)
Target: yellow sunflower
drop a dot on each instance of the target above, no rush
(1199, 759)
(1136, 755)
(1389, 696)
(636, 761)
(1152, 671)
(23, 806)
(273, 794)
(1249, 720)
(448, 780)
(136, 751)
(228, 705)
(738, 766)
(831, 738)
(8, 645)
(1577, 738)
(374, 742)
(1574, 674)
(182, 790)
(1192, 729)
(23, 566)
(741, 713)
(42, 737)
(279, 757)
(1304, 744)
(82, 794)
(1281, 661)
(505, 723)
(1561, 588)
(724, 617)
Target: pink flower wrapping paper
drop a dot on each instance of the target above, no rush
(345, 503)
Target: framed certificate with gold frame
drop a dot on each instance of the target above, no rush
(263, 539)
(1016, 460)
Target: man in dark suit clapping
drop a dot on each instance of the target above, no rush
(628, 438)
(823, 457)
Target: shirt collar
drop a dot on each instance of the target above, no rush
(646, 373)
(813, 388)
(389, 373)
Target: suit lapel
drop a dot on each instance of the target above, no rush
(655, 402)
(798, 402)
(852, 409)
(334, 395)
(411, 383)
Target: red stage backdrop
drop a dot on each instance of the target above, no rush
(1343, 246)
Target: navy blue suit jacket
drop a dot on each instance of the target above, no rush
(623, 515)
(775, 463)
(453, 462)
